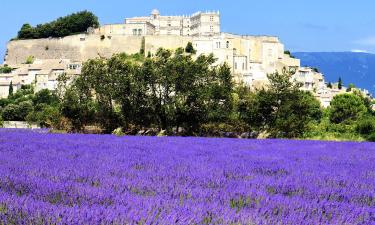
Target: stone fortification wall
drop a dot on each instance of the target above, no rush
(76, 48)
(83, 47)
(153, 43)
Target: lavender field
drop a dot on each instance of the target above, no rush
(89, 179)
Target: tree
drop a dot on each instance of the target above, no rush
(78, 108)
(282, 110)
(6, 69)
(346, 108)
(63, 26)
(24, 108)
(10, 92)
(189, 48)
(295, 115)
(287, 52)
(339, 84)
(45, 96)
(329, 85)
(10, 112)
(143, 46)
(26, 32)
(351, 86)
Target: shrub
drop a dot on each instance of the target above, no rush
(5, 69)
(218, 129)
(118, 132)
(29, 60)
(365, 126)
(9, 112)
(371, 137)
(346, 108)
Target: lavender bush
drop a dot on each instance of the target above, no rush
(89, 179)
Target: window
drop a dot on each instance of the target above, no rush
(218, 45)
(243, 66)
(211, 18)
(134, 32)
(235, 65)
(211, 28)
(139, 32)
(227, 44)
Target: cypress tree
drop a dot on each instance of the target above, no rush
(339, 85)
(10, 93)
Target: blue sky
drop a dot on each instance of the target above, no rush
(319, 25)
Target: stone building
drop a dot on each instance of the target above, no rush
(197, 24)
(42, 74)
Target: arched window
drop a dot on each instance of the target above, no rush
(227, 44)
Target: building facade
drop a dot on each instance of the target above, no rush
(197, 24)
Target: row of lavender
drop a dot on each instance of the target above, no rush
(88, 179)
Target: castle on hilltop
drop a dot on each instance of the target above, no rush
(251, 58)
(198, 24)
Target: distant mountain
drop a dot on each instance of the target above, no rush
(352, 67)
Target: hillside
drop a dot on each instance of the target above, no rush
(352, 67)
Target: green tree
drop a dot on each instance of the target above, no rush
(281, 109)
(346, 108)
(339, 84)
(63, 26)
(24, 108)
(45, 96)
(351, 86)
(10, 91)
(189, 48)
(143, 46)
(329, 85)
(26, 32)
(10, 112)
(6, 69)
(295, 115)
(46, 116)
(78, 108)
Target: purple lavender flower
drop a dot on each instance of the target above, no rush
(104, 179)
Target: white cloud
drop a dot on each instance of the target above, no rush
(359, 51)
(368, 41)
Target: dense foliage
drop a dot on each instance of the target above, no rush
(63, 26)
(25, 105)
(174, 93)
(5, 69)
(281, 109)
(170, 90)
(91, 179)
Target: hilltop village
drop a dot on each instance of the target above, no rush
(251, 58)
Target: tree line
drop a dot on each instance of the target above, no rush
(174, 93)
(64, 26)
